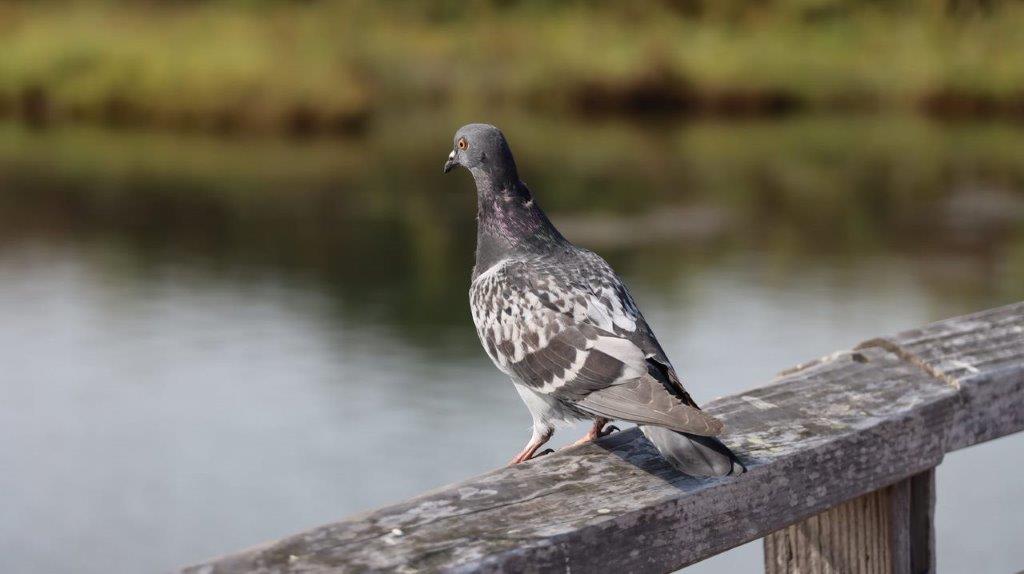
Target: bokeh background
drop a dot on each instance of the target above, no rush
(233, 279)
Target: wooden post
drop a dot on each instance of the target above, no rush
(888, 531)
(922, 523)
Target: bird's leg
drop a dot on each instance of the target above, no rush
(540, 436)
(597, 431)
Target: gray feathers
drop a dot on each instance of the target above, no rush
(694, 455)
(644, 400)
(577, 335)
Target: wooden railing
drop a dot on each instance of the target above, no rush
(840, 454)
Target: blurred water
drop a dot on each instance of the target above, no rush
(206, 344)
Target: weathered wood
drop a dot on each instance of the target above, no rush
(922, 523)
(982, 355)
(851, 538)
(821, 436)
(886, 531)
(824, 434)
(896, 522)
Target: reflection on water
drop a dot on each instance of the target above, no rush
(209, 343)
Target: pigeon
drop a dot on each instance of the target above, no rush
(558, 321)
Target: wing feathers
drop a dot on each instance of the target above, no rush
(646, 401)
(579, 339)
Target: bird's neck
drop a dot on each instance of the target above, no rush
(509, 222)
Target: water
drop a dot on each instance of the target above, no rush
(210, 343)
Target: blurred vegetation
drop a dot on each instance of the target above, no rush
(374, 219)
(266, 65)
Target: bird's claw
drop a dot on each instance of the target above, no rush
(520, 458)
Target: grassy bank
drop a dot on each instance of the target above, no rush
(330, 66)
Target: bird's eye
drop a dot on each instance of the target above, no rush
(463, 144)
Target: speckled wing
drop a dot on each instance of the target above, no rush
(568, 328)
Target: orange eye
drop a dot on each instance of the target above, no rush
(463, 144)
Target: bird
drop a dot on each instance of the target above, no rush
(558, 321)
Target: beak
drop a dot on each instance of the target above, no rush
(451, 163)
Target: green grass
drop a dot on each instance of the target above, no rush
(332, 65)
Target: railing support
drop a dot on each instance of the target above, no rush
(888, 531)
(922, 523)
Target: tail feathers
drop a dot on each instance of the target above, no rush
(695, 455)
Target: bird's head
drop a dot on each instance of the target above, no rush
(483, 150)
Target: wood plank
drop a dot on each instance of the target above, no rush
(887, 531)
(922, 523)
(851, 538)
(983, 356)
(897, 522)
(825, 434)
(864, 540)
